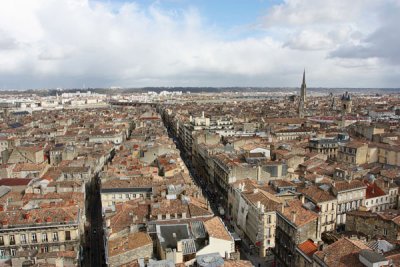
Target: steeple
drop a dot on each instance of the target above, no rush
(303, 88)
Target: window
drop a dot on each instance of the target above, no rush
(67, 235)
(126, 195)
(23, 239)
(44, 237)
(268, 232)
(269, 219)
(34, 238)
(12, 240)
(2, 253)
(385, 231)
(1, 241)
(13, 252)
(55, 236)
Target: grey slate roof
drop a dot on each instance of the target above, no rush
(371, 256)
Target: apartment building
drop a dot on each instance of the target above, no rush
(350, 195)
(320, 200)
(353, 152)
(43, 230)
(295, 225)
(253, 212)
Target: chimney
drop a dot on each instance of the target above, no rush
(227, 256)
(303, 199)
(4, 222)
(282, 208)
(255, 191)
(258, 204)
(133, 228)
(258, 173)
(293, 216)
(179, 245)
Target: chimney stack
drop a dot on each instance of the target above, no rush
(294, 216)
(227, 256)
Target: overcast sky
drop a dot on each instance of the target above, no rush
(86, 43)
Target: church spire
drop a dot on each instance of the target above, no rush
(303, 88)
(302, 100)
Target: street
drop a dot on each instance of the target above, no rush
(246, 252)
(94, 233)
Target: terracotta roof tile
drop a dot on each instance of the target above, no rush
(303, 215)
(216, 228)
(308, 247)
(14, 181)
(128, 242)
(373, 190)
(342, 253)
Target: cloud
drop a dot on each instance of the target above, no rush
(299, 13)
(7, 42)
(67, 43)
(309, 40)
(382, 43)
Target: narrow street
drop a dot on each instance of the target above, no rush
(95, 254)
(244, 249)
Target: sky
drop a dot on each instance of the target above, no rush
(221, 43)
